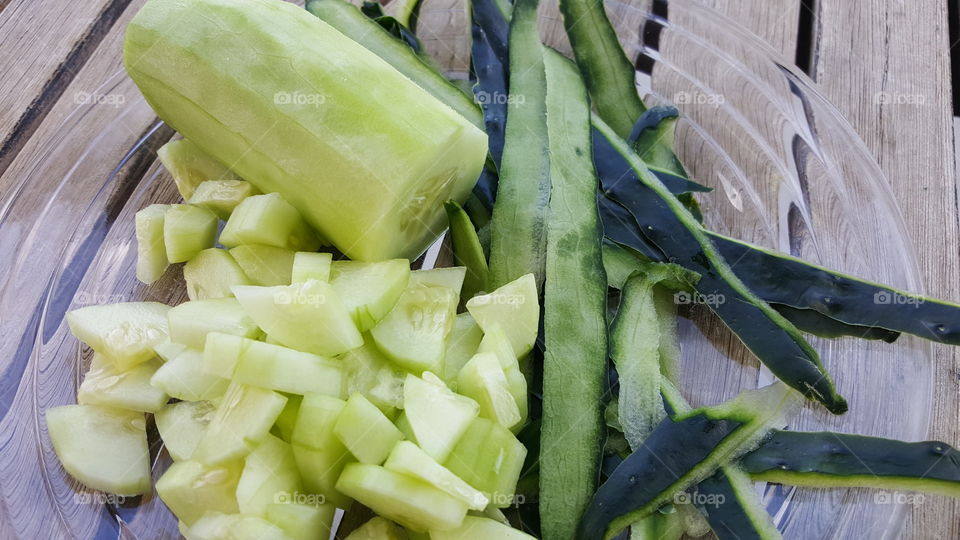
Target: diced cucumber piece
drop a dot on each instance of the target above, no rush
(102, 447)
(271, 221)
(190, 322)
(283, 427)
(265, 265)
(273, 366)
(404, 426)
(243, 418)
(221, 352)
(319, 453)
(222, 196)
(125, 333)
(369, 372)
(270, 475)
(483, 380)
(184, 378)
(480, 528)
(188, 230)
(310, 265)
(496, 341)
(414, 333)
(168, 350)
(489, 458)
(378, 528)
(407, 458)
(151, 254)
(462, 343)
(441, 277)
(217, 526)
(369, 290)
(189, 489)
(105, 385)
(302, 521)
(515, 306)
(410, 502)
(211, 273)
(190, 166)
(437, 416)
(307, 316)
(365, 431)
(181, 426)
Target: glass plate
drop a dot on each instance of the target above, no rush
(788, 171)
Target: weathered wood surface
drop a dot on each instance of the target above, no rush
(883, 63)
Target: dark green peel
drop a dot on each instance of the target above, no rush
(467, 250)
(733, 508)
(652, 138)
(825, 459)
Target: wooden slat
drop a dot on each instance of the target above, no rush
(885, 65)
(773, 20)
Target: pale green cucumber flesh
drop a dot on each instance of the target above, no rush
(310, 265)
(462, 343)
(266, 266)
(105, 385)
(184, 378)
(480, 528)
(369, 372)
(125, 333)
(369, 290)
(190, 166)
(302, 521)
(451, 278)
(151, 253)
(377, 528)
(437, 417)
(181, 426)
(189, 489)
(268, 220)
(269, 476)
(190, 322)
(287, 370)
(102, 447)
(222, 196)
(243, 418)
(483, 380)
(211, 273)
(516, 307)
(414, 333)
(489, 458)
(188, 230)
(365, 431)
(407, 458)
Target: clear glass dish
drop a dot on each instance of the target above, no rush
(788, 171)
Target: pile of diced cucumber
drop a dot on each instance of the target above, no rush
(291, 384)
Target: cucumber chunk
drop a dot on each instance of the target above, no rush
(268, 220)
(310, 265)
(378, 528)
(190, 166)
(484, 381)
(283, 427)
(151, 253)
(319, 453)
(266, 266)
(102, 447)
(125, 333)
(462, 343)
(188, 230)
(184, 378)
(168, 350)
(369, 372)
(181, 426)
(365, 431)
(414, 333)
(243, 419)
(287, 370)
(489, 458)
(222, 196)
(369, 290)
(515, 307)
(307, 316)
(302, 521)
(480, 528)
(409, 501)
(407, 458)
(437, 416)
(270, 475)
(211, 273)
(496, 341)
(190, 322)
(190, 489)
(105, 385)
(218, 526)
(441, 277)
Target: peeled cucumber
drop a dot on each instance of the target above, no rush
(444, 277)
(190, 322)
(309, 265)
(516, 307)
(191, 166)
(184, 378)
(414, 333)
(211, 273)
(151, 254)
(268, 220)
(484, 381)
(302, 521)
(269, 476)
(103, 447)
(125, 333)
(437, 417)
(369, 290)
(292, 105)
(181, 426)
(243, 418)
(222, 196)
(105, 385)
(188, 230)
(479, 528)
(407, 458)
(189, 489)
(462, 343)
(489, 458)
(365, 431)
(318, 451)
(378, 528)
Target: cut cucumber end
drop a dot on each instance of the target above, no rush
(268, 220)
(369, 290)
(151, 252)
(414, 333)
(266, 266)
(188, 230)
(125, 333)
(516, 307)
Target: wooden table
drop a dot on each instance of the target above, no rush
(51, 51)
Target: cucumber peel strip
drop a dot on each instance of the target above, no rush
(467, 250)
